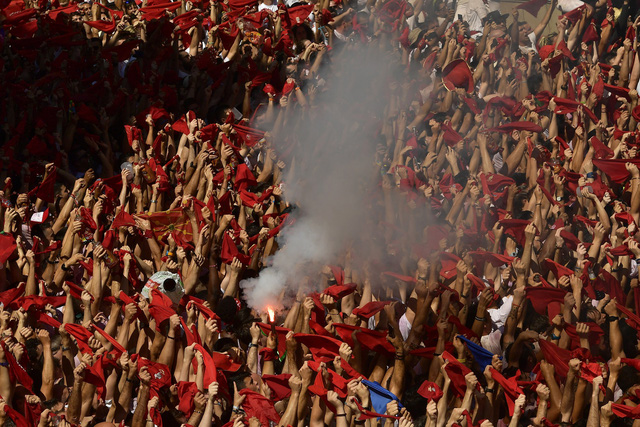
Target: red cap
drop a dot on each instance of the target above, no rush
(458, 75)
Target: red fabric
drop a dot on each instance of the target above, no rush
(404, 278)
(116, 345)
(458, 75)
(123, 219)
(81, 334)
(7, 247)
(456, 372)
(280, 332)
(230, 251)
(556, 356)
(279, 385)
(615, 168)
(323, 349)
(532, 6)
(370, 309)
(510, 387)
(372, 340)
(186, 392)
(430, 391)
(625, 411)
(558, 270)
(494, 259)
(45, 191)
(159, 309)
(17, 373)
(542, 298)
(256, 405)
(340, 291)
(510, 127)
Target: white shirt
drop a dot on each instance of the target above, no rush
(473, 11)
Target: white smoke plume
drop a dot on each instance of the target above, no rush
(332, 178)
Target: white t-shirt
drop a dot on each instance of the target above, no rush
(272, 8)
(473, 11)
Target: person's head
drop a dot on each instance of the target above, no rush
(244, 380)
(524, 29)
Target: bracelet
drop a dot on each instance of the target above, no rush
(65, 348)
(64, 267)
(463, 360)
(5, 364)
(129, 380)
(154, 201)
(341, 415)
(252, 345)
(480, 319)
(515, 305)
(437, 354)
(197, 412)
(463, 296)
(489, 390)
(171, 338)
(423, 278)
(591, 175)
(612, 318)
(399, 356)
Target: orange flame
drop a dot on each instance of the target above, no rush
(272, 314)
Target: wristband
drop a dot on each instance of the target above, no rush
(591, 175)
(170, 338)
(480, 319)
(554, 337)
(423, 278)
(64, 267)
(612, 318)
(251, 345)
(5, 364)
(341, 415)
(489, 390)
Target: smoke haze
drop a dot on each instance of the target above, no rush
(331, 180)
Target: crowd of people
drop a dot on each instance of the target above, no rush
(147, 152)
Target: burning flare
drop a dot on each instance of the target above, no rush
(272, 314)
